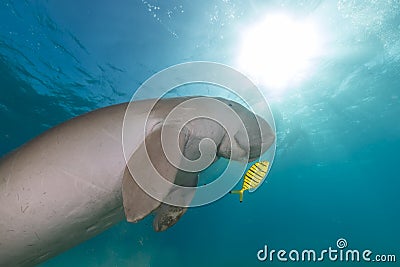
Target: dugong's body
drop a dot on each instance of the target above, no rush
(64, 186)
(52, 187)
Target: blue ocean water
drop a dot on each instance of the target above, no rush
(338, 132)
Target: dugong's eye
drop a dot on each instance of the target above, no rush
(230, 104)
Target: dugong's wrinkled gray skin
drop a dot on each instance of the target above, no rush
(72, 182)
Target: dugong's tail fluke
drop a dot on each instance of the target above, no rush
(240, 192)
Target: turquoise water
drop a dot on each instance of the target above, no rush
(338, 132)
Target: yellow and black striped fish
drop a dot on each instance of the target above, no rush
(253, 177)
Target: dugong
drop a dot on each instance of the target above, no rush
(72, 182)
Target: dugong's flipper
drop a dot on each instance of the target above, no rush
(137, 203)
(166, 216)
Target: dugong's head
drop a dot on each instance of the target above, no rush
(238, 133)
(257, 131)
(187, 129)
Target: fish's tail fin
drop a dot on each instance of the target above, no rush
(239, 192)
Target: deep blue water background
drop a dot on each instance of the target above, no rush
(336, 171)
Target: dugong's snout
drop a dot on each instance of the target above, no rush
(254, 136)
(261, 137)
